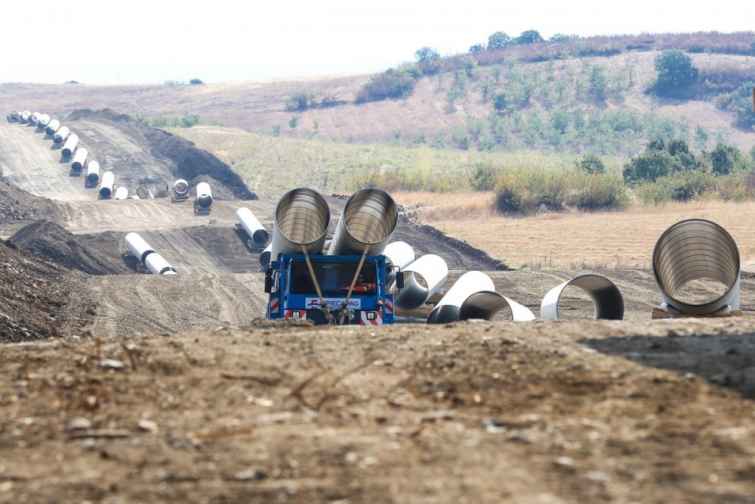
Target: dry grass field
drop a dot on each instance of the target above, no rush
(574, 239)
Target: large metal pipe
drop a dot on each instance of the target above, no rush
(697, 249)
(252, 227)
(181, 188)
(367, 223)
(473, 296)
(121, 193)
(14, 117)
(399, 254)
(53, 126)
(422, 279)
(138, 246)
(93, 173)
(61, 135)
(34, 118)
(487, 304)
(44, 120)
(70, 146)
(106, 185)
(301, 223)
(204, 195)
(609, 304)
(79, 160)
(157, 265)
(265, 256)
(25, 116)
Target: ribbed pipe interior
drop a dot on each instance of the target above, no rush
(302, 216)
(693, 251)
(371, 216)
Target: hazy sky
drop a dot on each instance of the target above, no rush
(100, 41)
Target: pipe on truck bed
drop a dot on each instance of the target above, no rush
(301, 223)
(366, 224)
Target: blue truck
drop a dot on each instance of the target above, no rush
(342, 299)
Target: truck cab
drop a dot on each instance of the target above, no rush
(293, 293)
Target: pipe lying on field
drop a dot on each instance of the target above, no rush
(301, 223)
(366, 225)
(253, 228)
(697, 249)
(204, 195)
(138, 246)
(422, 279)
(61, 135)
(34, 118)
(25, 116)
(13, 117)
(398, 255)
(70, 146)
(141, 250)
(79, 159)
(121, 193)
(93, 173)
(53, 126)
(265, 257)
(106, 185)
(181, 188)
(607, 298)
(473, 296)
(44, 120)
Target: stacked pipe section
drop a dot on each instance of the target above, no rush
(141, 250)
(398, 255)
(697, 250)
(422, 279)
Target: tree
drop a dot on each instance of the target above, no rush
(752, 153)
(725, 159)
(560, 37)
(591, 164)
(701, 138)
(675, 73)
(648, 167)
(597, 86)
(528, 37)
(476, 49)
(428, 60)
(498, 40)
(500, 102)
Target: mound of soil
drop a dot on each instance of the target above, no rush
(51, 242)
(37, 298)
(17, 205)
(182, 157)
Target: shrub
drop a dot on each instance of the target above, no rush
(675, 73)
(740, 103)
(648, 167)
(390, 84)
(680, 187)
(196, 82)
(528, 191)
(500, 102)
(483, 177)
(300, 102)
(598, 191)
(752, 154)
(476, 49)
(293, 122)
(591, 164)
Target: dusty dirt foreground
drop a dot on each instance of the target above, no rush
(474, 412)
